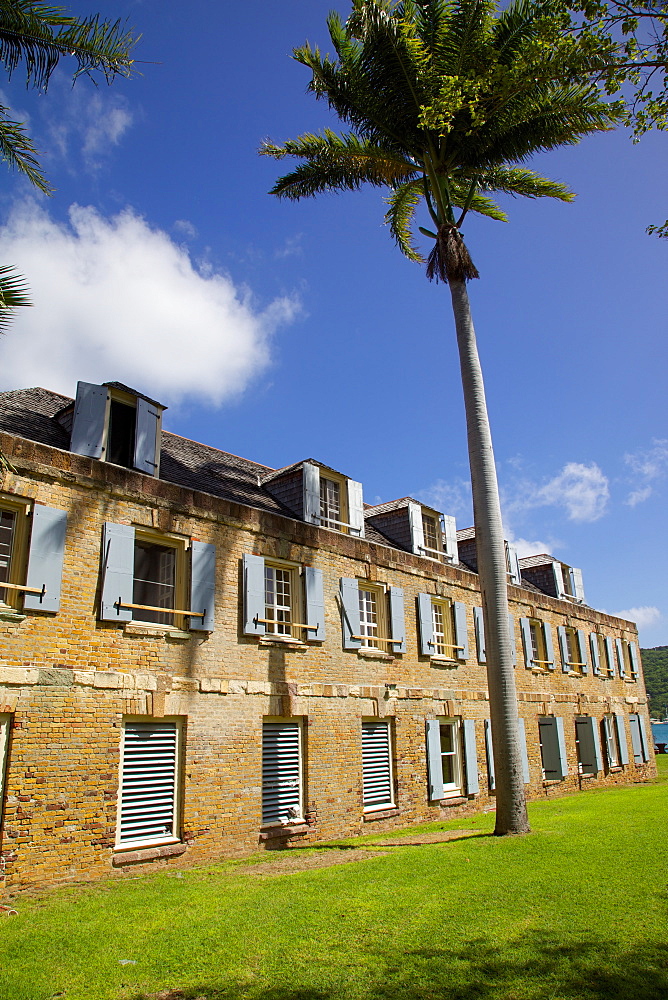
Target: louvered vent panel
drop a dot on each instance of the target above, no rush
(149, 782)
(376, 768)
(281, 772)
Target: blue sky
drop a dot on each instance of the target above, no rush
(281, 331)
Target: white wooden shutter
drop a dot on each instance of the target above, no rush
(149, 782)
(558, 579)
(356, 508)
(89, 423)
(315, 603)
(281, 772)
(311, 492)
(514, 565)
(479, 628)
(45, 561)
(118, 563)
(450, 537)
(203, 585)
(376, 764)
(254, 595)
(5, 723)
(621, 739)
(521, 729)
(146, 454)
(417, 530)
(643, 739)
(578, 587)
(434, 760)
(425, 624)
(489, 751)
(397, 621)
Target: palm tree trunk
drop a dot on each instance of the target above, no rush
(511, 813)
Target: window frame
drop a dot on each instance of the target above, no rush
(18, 556)
(392, 802)
(605, 665)
(340, 524)
(297, 602)
(538, 644)
(300, 722)
(382, 624)
(611, 737)
(447, 608)
(181, 546)
(453, 789)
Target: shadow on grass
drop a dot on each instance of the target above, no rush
(533, 966)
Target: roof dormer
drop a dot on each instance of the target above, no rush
(416, 527)
(319, 495)
(468, 554)
(554, 577)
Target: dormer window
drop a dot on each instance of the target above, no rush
(331, 500)
(431, 531)
(432, 534)
(330, 503)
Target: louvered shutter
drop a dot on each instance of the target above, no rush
(589, 751)
(558, 579)
(595, 658)
(461, 632)
(525, 629)
(89, 423)
(146, 456)
(311, 492)
(149, 782)
(118, 564)
(5, 722)
(425, 624)
(621, 665)
(254, 595)
(549, 647)
(203, 585)
(397, 623)
(635, 663)
(450, 537)
(643, 739)
(621, 739)
(434, 760)
(470, 758)
(514, 565)
(376, 764)
(563, 648)
(281, 772)
(479, 628)
(611, 656)
(350, 612)
(417, 531)
(582, 651)
(45, 561)
(513, 645)
(578, 587)
(521, 729)
(356, 508)
(489, 752)
(315, 603)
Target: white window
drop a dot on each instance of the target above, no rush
(5, 724)
(452, 758)
(279, 600)
(282, 771)
(330, 503)
(283, 600)
(443, 625)
(611, 739)
(150, 765)
(378, 790)
(372, 617)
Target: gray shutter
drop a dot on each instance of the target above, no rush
(609, 739)
(576, 581)
(350, 612)
(589, 751)
(643, 738)
(611, 655)
(470, 758)
(562, 746)
(425, 624)
(595, 659)
(633, 655)
(514, 565)
(397, 623)
(417, 531)
(461, 632)
(511, 634)
(525, 629)
(5, 723)
(489, 751)
(563, 647)
(621, 739)
(558, 578)
(450, 537)
(89, 423)
(376, 764)
(521, 729)
(118, 569)
(148, 782)
(45, 561)
(549, 748)
(146, 457)
(311, 492)
(479, 628)
(549, 647)
(315, 603)
(281, 772)
(635, 739)
(203, 585)
(620, 657)
(254, 595)
(356, 507)
(582, 649)
(434, 760)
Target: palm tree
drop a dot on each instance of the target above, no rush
(444, 100)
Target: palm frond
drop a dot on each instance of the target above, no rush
(13, 295)
(527, 183)
(17, 151)
(402, 202)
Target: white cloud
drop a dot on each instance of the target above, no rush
(105, 127)
(647, 466)
(638, 496)
(582, 490)
(116, 299)
(186, 228)
(528, 548)
(451, 497)
(643, 616)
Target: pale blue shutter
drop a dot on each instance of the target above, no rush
(45, 561)
(589, 751)
(434, 760)
(461, 632)
(621, 739)
(619, 646)
(479, 628)
(281, 772)
(315, 603)
(563, 647)
(582, 651)
(513, 645)
(148, 809)
(562, 746)
(254, 595)
(417, 531)
(425, 624)
(489, 752)
(203, 585)
(521, 730)
(89, 423)
(356, 508)
(311, 492)
(578, 587)
(397, 619)
(350, 612)
(609, 739)
(450, 537)
(549, 748)
(376, 764)
(549, 648)
(514, 565)
(643, 739)
(118, 566)
(5, 723)
(595, 659)
(146, 457)
(636, 744)
(525, 629)
(635, 664)
(558, 579)
(470, 758)
(611, 655)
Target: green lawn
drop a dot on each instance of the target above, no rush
(577, 909)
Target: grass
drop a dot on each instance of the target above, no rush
(577, 909)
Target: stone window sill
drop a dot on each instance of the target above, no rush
(276, 640)
(159, 631)
(289, 830)
(367, 653)
(443, 661)
(374, 814)
(9, 614)
(147, 854)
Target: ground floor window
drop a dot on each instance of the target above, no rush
(378, 790)
(614, 739)
(148, 808)
(5, 723)
(282, 771)
(588, 745)
(552, 748)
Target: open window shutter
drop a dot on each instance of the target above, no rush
(5, 722)
(633, 656)
(582, 651)
(146, 457)
(450, 537)
(611, 655)
(521, 729)
(595, 659)
(281, 772)
(470, 758)
(525, 629)
(148, 803)
(514, 564)
(589, 752)
(606, 724)
(576, 583)
(549, 745)
(356, 508)
(315, 603)
(461, 632)
(417, 531)
(45, 561)
(619, 646)
(434, 762)
(254, 596)
(635, 739)
(489, 751)
(511, 634)
(350, 612)
(549, 647)
(558, 579)
(479, 628)
(118, 567)
(643, 738)
(562, 746)
(563, 648)
(425, 625)
(621, 739)
(397, 623)
(203, 585)
(311, 488)
(90, 420)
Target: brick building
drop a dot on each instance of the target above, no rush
(199, 654)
